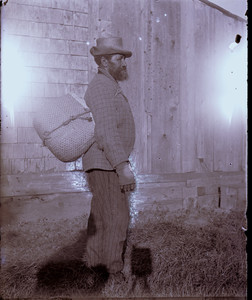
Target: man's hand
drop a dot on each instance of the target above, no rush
(126, 177)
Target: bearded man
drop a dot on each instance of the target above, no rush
(106, 163)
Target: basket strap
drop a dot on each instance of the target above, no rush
(80, 100)
(119, 91)
(72, 118)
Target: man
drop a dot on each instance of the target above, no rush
(107, 161)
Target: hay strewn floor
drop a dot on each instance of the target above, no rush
(200, 253)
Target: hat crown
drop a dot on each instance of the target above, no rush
(109, 42)
(109, 45)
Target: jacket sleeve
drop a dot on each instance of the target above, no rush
(101, 101)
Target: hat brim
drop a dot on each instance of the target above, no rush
(95, 51)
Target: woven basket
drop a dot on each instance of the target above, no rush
(65, 126)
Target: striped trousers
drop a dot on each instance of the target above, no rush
(108, 221)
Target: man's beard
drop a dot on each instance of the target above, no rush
(120, 73)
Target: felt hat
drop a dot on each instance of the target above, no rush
(111, 45)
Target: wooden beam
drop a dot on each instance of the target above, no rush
(224, 11)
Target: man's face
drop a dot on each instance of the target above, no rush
(117, 67)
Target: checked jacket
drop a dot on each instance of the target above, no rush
(114, 124)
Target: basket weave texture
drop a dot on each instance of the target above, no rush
(65, 126)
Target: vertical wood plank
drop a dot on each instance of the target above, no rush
(148, 79)
(130, 23)
(93, 34)
(165, 85)
(204, 70)
(187, 86)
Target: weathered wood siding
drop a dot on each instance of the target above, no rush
(179, 47)
(47, 42)
(178, 51)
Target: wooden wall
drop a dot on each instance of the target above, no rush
(44, 49)
(179, 51)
